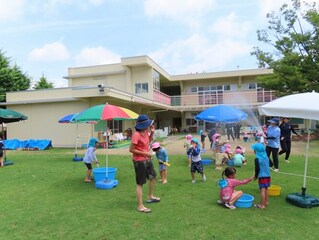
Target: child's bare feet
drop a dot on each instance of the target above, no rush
(259, 206)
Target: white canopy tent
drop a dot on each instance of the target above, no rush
(302, 105)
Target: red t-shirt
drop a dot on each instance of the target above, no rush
(142, 143)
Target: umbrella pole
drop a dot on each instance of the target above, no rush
(303, 189)
(106, 154)
(77, 141)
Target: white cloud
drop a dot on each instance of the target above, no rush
(11, 10)
(187, 11)
(96, 56)
(50, 52)
(230, 26)
(198, 54)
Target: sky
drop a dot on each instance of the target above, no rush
(46, 37)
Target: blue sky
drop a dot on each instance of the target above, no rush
(182, 36)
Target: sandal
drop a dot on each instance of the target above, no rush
(87, 181)
(153, 200)
(144, 210)
(259, 206)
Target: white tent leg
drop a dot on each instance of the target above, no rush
(306, 161)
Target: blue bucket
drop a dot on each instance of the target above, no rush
(206, 161)
(245, 201)
(100, 174)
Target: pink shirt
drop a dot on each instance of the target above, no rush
(226, 192)
(142, 143)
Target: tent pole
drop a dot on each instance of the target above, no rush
(303, 189)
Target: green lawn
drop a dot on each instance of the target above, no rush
(43, 196)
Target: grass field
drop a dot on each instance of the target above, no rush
(43, 196)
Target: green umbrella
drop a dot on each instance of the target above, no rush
(9, 116)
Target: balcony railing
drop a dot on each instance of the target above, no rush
(161, 97)
(231, 98)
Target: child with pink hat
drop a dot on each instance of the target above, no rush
(162, 157)
(227, 155)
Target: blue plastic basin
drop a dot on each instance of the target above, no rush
(245, 201)
(206, 161)
(100, 174)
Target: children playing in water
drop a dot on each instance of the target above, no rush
(228, 194)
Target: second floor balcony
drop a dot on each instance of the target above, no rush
(240, 98)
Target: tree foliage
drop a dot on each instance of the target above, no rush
(11, 77)
(293, 37)
(43, 83)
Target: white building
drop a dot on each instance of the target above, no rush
(139, 84)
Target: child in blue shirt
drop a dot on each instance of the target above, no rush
(196, 163)
(162, 158)
(89, 158)
(262, 173)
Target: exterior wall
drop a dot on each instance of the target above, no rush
(43, 123)
(142, 75)
(42, 94)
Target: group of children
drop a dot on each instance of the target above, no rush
(228, 194)
(222, 150)
(90, 157)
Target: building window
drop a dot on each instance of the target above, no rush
(194, 89)
(190, 122)
(156, 80)
(226, 87)
(141, 87)
(252, 86)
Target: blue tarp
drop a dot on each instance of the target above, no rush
(13, 144)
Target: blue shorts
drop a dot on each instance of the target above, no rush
(197, 167)
(264, 182)
(161, 167)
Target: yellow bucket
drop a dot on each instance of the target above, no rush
(274, 190)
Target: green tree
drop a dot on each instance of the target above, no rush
(43, 83)
(293, 38)
(11, 77)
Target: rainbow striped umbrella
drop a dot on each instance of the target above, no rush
(70, 118)
(105, 112)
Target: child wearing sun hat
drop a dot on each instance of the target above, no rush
(162, 157)
(89, 158)
(196, 163)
